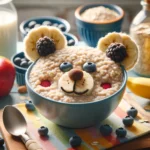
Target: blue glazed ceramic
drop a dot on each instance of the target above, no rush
(70, 36)
(76, 115)
(91, 32)
(39, 20)
(20, 72)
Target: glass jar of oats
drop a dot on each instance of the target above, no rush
(140, 32)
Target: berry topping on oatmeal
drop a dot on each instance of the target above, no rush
(45, 83)
(89, 67)
(65, 66)
(116, 51)
(106, 85)
(45, 46)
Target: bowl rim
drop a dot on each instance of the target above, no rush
(73, 36)
(68, 26)
(78, 16)
(16, 66)
(123, 85)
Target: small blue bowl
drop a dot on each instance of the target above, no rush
(75, 115)
(20, 71)
(70, 36)
(90, 32)
(40, 20)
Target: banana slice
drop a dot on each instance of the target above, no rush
(35, 34)
(80, 87)
(132, 52)
(131, 48)
(85, 85)
(65, 83)
(104, 42)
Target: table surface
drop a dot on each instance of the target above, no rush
(14, 97)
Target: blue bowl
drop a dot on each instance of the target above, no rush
(76, 115)
(70, 36)
(20, 71)
(91, 32)
(40, 20)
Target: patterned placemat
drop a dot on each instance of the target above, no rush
(92, 139)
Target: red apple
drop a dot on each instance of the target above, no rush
(7, 76)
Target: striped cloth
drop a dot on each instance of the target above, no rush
(92, 139)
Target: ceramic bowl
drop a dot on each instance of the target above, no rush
(90, 32)
(71, 37)
(20, 71)
(75, 115)
(24, 26)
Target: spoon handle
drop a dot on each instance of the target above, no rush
(33, 145)
(29, 143)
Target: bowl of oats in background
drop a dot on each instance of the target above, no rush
(96, 20)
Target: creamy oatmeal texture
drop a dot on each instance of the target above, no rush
(48, 68)
(99, 13)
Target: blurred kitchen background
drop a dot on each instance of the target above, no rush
(65, 9)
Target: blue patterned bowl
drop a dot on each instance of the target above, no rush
(40, 20)
(20, 71)
(91, 32)
(75, 115)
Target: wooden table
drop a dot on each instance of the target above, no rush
(140, 143)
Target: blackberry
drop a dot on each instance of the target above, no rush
(45, 46)
(116, 51)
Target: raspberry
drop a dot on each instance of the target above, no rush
(106, 85)
(45, 46)
(116, 51)
(45, 83)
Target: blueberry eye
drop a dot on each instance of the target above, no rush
(65, 66)
(89, 67)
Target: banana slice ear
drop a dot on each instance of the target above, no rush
(104, 42)
(131, 48)
(35, 34)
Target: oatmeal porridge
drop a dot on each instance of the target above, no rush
(99, 13)
(79, 82)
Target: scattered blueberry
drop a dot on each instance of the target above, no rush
(24, 64)
(89, 67)
(17, 61)
(128, 121)
(31, 24)
(121, 132)
(62, 27)
(71, 42)
(106, 85)
(47, 23)
(29, 105)
(105, 130)
(45, 83)
(37, 25)
(1, 141)
(75, 141)
(132, 112)
(27, 30)
(43, 131)
(55, 24)
(66, 66)
(29, 63)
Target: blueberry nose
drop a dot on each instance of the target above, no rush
(75, 74)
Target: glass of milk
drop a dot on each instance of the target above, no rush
(8, 28)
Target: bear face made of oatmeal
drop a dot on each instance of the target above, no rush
(76, 73)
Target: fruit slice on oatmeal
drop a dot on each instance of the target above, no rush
(43, 41)
(120, 48)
